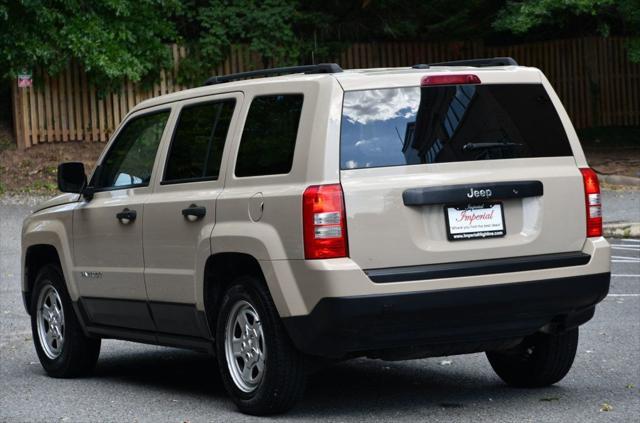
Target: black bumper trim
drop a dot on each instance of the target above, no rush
(477, 267)
(347, 326)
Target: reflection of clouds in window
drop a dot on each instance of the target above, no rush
(380, 105)
(351, 164)
(371, 145)
(374, 149)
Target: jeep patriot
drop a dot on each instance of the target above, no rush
(285, 218)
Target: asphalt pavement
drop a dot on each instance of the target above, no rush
(134, 382)
(621, 206)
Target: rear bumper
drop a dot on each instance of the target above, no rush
(458, 317)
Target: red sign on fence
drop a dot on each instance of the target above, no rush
(25, 80)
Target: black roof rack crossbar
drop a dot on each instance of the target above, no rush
(478, 63)
(309, 69)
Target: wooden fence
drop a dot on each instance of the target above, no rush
(593, 77)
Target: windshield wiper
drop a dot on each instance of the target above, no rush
(470, 146)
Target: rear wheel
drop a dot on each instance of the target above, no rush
(63, 349)
(261, 369)
(540, 360)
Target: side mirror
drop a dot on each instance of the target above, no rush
(71, 177)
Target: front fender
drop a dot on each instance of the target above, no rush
(51, 227)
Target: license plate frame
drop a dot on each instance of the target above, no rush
(494, 228)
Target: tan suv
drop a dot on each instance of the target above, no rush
(280, 221)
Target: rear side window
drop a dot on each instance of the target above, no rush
(198, 141)
(269, 136)
(417, 125)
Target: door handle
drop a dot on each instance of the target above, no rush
(194, 212)
(126, 216)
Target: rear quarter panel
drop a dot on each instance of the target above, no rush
(277, 233)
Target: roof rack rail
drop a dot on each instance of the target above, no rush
(479, 63)
(308, 69)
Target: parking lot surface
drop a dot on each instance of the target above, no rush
(135, 382)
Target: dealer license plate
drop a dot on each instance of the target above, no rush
(474, 221)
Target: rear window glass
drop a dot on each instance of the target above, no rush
(417, 125)
(269, 136)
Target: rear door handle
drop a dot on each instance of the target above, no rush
(126, 216)
(194, 212)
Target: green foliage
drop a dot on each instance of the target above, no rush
(112, 39)
(522, 17)
(266, 26)
(371, 20)
(287, 32)
(601, 16)
(118, 39)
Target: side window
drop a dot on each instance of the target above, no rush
(198, 142)
(269, 136)
(129, 162)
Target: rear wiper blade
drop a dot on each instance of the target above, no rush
(485, 145)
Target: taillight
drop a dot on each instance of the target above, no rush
(449, 79)
(592, 202)
(325, 227)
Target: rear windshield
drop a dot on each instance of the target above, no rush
(453, 123)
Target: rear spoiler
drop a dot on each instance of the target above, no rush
(477, 63)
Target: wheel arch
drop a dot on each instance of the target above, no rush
(223, 268)
(46, 239)
(36, 257)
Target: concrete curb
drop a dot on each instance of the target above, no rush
(619, 180)
(621, 230)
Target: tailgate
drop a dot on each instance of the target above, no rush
(457, 173)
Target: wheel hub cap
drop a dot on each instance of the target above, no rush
(50, 321)
(244, 346)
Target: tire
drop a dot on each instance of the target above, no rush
(540, 360)
(275, 378)
(69, 353)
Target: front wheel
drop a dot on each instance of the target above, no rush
(63, 349)
(539, 360)
(261, 369)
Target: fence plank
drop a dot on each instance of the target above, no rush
(101, 124)
(624, 94)
(42, 134)
(75, 81)
(70, 104)
(115, 98)
(64, 120)
(634, 76)
(55, 110)
(47, 107)
(33, 118)
(17, 118)
(109, 115)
